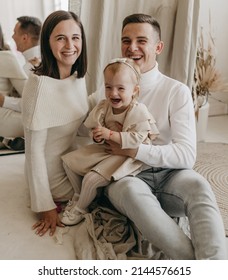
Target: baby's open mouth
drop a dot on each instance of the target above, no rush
(115, 100)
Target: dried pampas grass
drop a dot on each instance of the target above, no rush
(207, 78)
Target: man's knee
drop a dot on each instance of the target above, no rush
(200, 186)
(125, 187)
(118, 188)
(128, 192)
(197, 190)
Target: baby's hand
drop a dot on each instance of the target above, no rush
(100, 133)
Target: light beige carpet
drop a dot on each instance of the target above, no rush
(212, 163)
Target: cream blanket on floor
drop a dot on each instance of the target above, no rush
(107, 235)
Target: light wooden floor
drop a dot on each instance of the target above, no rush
(217, 129)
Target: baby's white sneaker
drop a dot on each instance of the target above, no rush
(71, 203)
(74, 216)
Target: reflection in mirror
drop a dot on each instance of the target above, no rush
(12, 9)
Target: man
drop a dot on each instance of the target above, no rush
(27, 37)
(169, 188)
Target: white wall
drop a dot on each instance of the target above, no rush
(219, 24)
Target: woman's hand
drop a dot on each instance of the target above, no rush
(49, 220)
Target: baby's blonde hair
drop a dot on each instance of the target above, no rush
(115, 65)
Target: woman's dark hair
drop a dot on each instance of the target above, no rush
(143, 18)
(48, 65)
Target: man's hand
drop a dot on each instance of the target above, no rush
(49, 220)
(115, 149)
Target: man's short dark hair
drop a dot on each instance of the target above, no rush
(30, 25)
(143, 18)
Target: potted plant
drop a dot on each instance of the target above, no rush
(207, 80)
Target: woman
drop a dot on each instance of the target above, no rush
(54, 106)
(12, 81)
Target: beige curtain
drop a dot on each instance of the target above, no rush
(185, 41)
(102, 20)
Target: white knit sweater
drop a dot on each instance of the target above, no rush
(48, 102)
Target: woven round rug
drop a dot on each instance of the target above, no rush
(212, 163)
